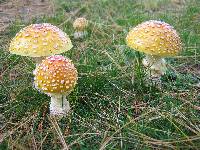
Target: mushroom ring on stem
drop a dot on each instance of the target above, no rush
(56, 76)
(157, 40)
(80, 24)
(40, 40)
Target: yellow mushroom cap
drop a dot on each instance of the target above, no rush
(38, 40)
(154, 38)
(80, 24)
(55, 75)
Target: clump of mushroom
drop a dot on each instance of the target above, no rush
(80, 24)
(157, 39)
(56, 76)
(40, 40)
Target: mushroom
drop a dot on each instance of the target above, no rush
(79, 25)
(40, 40)
(157, 39)
(56, 76)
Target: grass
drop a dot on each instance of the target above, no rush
(114, 105)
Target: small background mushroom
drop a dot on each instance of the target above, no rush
(80, 25)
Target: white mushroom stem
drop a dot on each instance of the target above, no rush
(155, 64)
(59, 106)
(79, 34)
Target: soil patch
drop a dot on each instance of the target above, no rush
(24, 10)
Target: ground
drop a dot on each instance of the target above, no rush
(114, 105)
(23, 10)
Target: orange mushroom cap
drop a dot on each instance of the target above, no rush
(155, 38)
(39, 40)
(55, 75)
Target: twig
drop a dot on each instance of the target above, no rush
(57, 129)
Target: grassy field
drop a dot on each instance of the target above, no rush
(114, 105)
